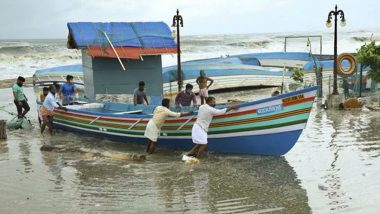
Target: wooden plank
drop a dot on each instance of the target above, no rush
(109, 41)
(187, 121)
(133, 125)
(128, 112)
(3, 130)
(97, 118)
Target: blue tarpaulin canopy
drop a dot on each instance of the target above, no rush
(121, 34)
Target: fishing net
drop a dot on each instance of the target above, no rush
(19, 123)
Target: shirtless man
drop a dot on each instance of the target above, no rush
(203, 87)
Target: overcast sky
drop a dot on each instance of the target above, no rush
(33, 19)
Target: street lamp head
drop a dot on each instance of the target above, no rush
(174, 34)
(343, 22)
(329, 17)
(174, 21)
(177, 20)
(328, 24)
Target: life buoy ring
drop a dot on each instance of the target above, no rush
(351, 70)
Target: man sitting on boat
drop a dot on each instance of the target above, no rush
(203, 87)
(44, 93)
(139, 95)
(68, 90)
(20, 99)
(185, 97)
(47, 109)
(153, 128)
(201, 125)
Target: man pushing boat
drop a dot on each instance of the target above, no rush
(50, 103)
(160, 114)
(200, 128)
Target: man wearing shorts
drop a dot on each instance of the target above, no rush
(46, 111)
(202, 81)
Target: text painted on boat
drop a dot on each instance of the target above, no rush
(291, 99)
(269, 109)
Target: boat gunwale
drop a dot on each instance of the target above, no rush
(148, 116)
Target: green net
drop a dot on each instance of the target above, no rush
(19, 123)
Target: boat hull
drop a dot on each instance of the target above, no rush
(275, 144)
(270, 126)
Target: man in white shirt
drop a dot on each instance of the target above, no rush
(50, 103)
(153, 128)
(200, 128)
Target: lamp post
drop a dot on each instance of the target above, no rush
(335, 13)
(177, 21)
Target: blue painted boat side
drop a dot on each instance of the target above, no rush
(194, 73)
(266, 144)
(302, 56)
(77, 68)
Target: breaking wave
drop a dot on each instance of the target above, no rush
(23, 57)
(258, 44)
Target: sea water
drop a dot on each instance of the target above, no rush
(24, 57)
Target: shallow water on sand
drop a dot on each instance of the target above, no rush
(332, 169)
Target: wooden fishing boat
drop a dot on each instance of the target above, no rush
(270, 126)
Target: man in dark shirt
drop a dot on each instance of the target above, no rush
(139, 95)
(185, 97)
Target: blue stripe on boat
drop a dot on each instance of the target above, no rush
(266, 144)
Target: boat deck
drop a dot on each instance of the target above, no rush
(124, 108)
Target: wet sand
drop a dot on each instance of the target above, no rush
(332, 169)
